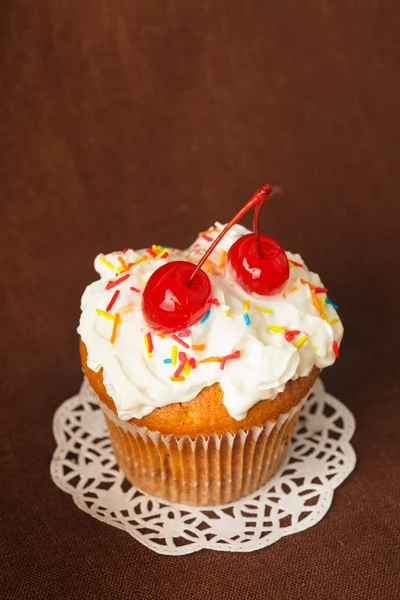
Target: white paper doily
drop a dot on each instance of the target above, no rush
(297, 497)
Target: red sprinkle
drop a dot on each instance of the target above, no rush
(192, 362)
(179, 369)
(151, 252)
(134, 289)
(336, 348)
(112, 284)
(184, 333)
(320, 290)
(289, 335)
(229, 357)
(296, 264)
(182, 356)
(216, 302)
(184, 344)
(125, 250)
(207, 237)
(150, 342)
(113, 299)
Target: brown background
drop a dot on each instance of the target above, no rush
(132, 122)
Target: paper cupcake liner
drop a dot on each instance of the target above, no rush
(203, 471)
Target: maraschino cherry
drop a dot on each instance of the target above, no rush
(178, 294)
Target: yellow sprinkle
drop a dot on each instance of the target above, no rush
(156, 248)
(293, 289)
(276, 328)
(107, 262)
(198, 347)
(264, 310)
(222, 261)
(146, 343)
(186, 368)
(162, 252)
(301, 341)
(174, 354)
(114, 329)
(246, 305)
(107, 315)
(333, 321)
(314, 347)
(322, 302)
(179, 378)
(226, 311)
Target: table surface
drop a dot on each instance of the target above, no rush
(131, 123)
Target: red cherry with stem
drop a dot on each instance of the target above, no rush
(258, 262)
(170, 303)
(178, 294)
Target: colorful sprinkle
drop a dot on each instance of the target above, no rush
(151, 252)
(167, 361)
(246, 305)
(106, 262)
(204, 319)
(315, 301)
(289, 335)
(317, 290)
(264, 310)
(163, 253)
(114, 329)
(294, 288)
(174, 354)
(148, 342)
(276, 328)
(336, 348)
(112, 301)
(134, 289)
(333, 321)
(246, 319)
(180, 341)
(112, 284)
(293, 263)
(183, 361)
(199, 347)
(211, 359)
(301, 341)
(192, 362)
(125, 250)
(186, 368)
(139, 261)
(225, 359)
(207, 237)
(335, 306)
(102, 313)
(124, 266)
(215, 301)
(226, 311)
(223, 258)
(179, 378)
(184, 333)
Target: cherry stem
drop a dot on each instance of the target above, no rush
(256, 200)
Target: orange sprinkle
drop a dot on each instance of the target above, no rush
(211, 359)
(293, 289)
(179, 378)
(198, 347)
(114, 329)
(315, 301)
(125, 267)
(222, 261)
(140, 260)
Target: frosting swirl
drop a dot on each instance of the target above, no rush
(251, 345)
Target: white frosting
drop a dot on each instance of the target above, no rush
(268, 360)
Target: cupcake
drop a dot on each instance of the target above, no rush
(201, 359)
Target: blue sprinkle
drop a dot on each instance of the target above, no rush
(204, 319)
(246, 318)
(335, 306)
(167, 361)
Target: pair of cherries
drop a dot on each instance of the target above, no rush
(179, 293)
